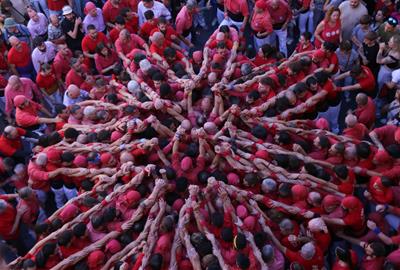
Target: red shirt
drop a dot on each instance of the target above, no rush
(8, 147)
(386, 134)
(366, 114)
(237, 7)
(47, 82)
(159, 50)
(127, 47)
(280, 15)
(317, 262)
(382, 195)
(301, 48)
(169, 33)
(61, 64)
(28, 116)
(110, 11)
(56, 5)
(74, 78)
(104, 62)
(366, 80)
(355, 220)
(20, 58)
(358, 132)
(147, 28)
(7, 221)
(89, 45)
(114, 34)
(39, 176)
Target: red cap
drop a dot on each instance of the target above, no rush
(241, 211)
(132, 197)
(322, 123)
(330, 200)
(113, 246)
(186, 163)
(217, 58)
(198, 56)
(69, 212)
(80, 161)
(19, 100)
(105, 158)
(177, 205)
(89, 7)
(261, 4)
(382, 157)
(299, 192)
(95, 258)
(351, 202)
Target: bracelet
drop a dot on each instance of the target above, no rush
(376, 230)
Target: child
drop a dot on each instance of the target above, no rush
(304, 44)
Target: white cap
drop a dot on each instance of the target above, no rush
(66, 10)
(144, 65)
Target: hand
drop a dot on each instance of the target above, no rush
(150, 168)
(367, 194)
(380, 208)
(78, 21)
(357, 170)
(371, 225)
(382, 46)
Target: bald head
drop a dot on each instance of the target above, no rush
(126, 157)
(350, 120)
(73, 91)
(361, 99)
(10, 132)
(41, 159)
(13, 40)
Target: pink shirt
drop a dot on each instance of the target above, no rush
(184, 20)
(93, 234)
(27, 89)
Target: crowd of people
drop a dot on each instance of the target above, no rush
(200, 135)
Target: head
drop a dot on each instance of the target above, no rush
(73, 91)
(361, 99)
(394, 43)
(333, 14)
(354, 3)
(92, 31)
(68, 13)
(15, 42)
(148, 3)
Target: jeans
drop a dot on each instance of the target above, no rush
(332, 115)
(306, 21)
(199, 16)
(393, 220)
(282, 38)
(41, 6)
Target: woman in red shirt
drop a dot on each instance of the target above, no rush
(261, 24)
(105, 59)
(329, 29)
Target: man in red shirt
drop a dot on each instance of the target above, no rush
(149, 25)
(61, 63)
(19, 58)
(353, 219)
(365, 110)
(76, 75)
(26, 114)
(91, 40)
(111, 9)
(11, 144)
(354, 129)
(119, 26)
(365, 80)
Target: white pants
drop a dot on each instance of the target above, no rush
(183, 44)
(59, 197)
(259, 42)
(220, 16)
(303, 17)
(41, 195)
(70, 193)
(282, 39)
(228, 21)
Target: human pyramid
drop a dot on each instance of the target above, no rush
(211, 188)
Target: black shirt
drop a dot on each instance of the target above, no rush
(370, 53)
(73, 43)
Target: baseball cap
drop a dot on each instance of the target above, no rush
(66, 10)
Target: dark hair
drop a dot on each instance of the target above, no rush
(227, 234)
(386, 182)
(90, 27)
(79, 229)
(299, 88)
(165, 90)
(255, 95)
(393, 150)
(341, 171)
(217, 219)
(181, 184)
(37, 41)
(59, 108)
(363, 150)
(97, 221)
(224, 29)
(242, 261)
(48, 249)
(156, 261)
(324, 141)
(311, 80)
(251, 179)
(65, 238)
(284, 137)
(67, 156)
(378, 249)
(240, 241)
(259, 132)
(28, 263)
(307, 35)
(355, 71)
(119, 20)
(202, 177)
(71, 133)
(149, 14)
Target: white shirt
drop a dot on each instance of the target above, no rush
(158, 9)
(396, 76)
(39, 57)
(38, 28)
(67, 101)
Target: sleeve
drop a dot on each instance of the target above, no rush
(165, 12)
(97, 62)
(39, 175)
(9, 102)
(84, 45)
(244, 8)
(180, 24)
(138, 40)
(175, 162)
(28, 120)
